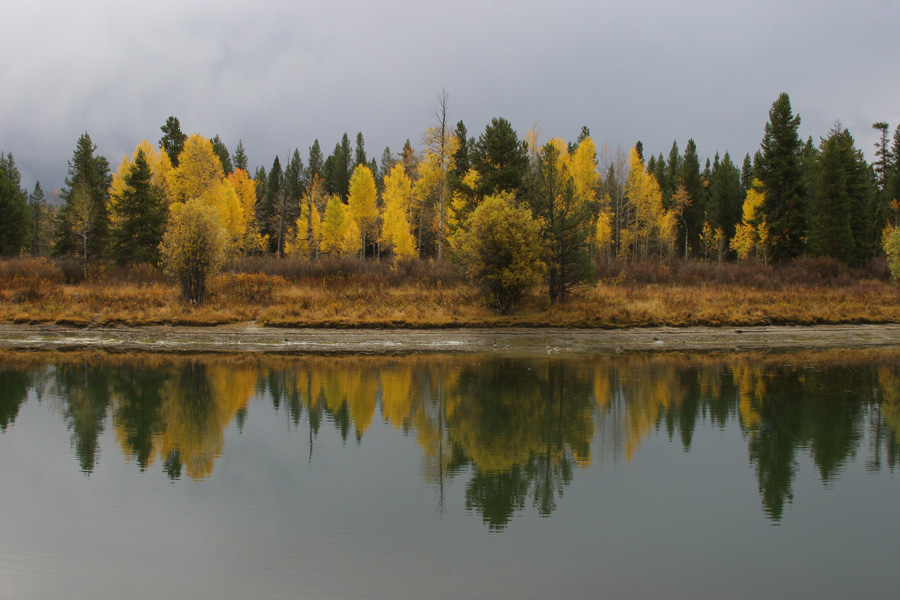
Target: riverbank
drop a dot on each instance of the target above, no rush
(252, 338)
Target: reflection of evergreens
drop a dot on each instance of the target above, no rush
(138, 417)
(521, 426)
(805, 408)
(14, 386)
(85, 393)
(524, 425)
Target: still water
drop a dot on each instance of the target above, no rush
(457, 476)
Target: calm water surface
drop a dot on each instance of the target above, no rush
(678, 476)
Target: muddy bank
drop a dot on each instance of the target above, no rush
(253, 338)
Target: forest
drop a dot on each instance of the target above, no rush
(498, 222)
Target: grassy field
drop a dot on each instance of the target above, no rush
(422, 294)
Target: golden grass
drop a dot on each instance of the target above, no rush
(382, 299)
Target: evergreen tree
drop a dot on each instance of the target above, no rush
(892, 181)
(844, 199)
(173, 139)
(15, 224)
(289, 207)
(747, 173)
(500, 158)
(359, 155)
(41, 219)
(726, 196)
(140, 215)
(695, 210)
(222, 152)
(782, 178)
(884, 165)
(564, 218)
(337, 169)
(239, 158)
(268, 210)
(83, 226)
(673, 173)
(316, 162)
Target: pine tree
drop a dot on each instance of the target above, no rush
(726, 195)
(359, 156)
(140, 217)
(15, 224)
(41, 216)
(316, 162)
(222, 152)
(91, 174)
(173, 139)
(747, 173)
(564, 220)
(694, 212)
(268, 208)
(782, 178)
(239, 158)
(500, 158)
(843, 201)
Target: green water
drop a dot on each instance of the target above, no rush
(456, 476)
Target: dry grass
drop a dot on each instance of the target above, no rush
(419, 294)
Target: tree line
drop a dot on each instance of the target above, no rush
(512, 211)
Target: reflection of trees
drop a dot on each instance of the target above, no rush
(85, 394)
(14, 386)
(524, 425)
(175, 409)
(521, 426)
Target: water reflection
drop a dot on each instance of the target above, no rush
(518, 429)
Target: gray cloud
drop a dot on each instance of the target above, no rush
(279, 74)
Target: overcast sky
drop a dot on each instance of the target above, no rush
(278, 74)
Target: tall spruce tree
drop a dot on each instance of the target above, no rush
(782, 178)
(500, 158)
(83, 222)
(316, 162)
(222, 152)
(173, 139)
(726, 195)
(239, 157)
(15, 224)
(563, 216)
(140, 216)
(41, 215)
(694, 212)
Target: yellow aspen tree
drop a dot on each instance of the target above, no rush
(396, 232)
(340, 234)
(603, 231)
(440, 146)
(199, 173)
(749, 233)
(307, 236)
(461, 204)
(331, 227)
(247, 234)
(362, 201)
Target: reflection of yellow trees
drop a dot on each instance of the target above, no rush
(889, 380)
(199, 404)
(751, 387)
(522, 424)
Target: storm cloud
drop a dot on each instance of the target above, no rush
(278, 74)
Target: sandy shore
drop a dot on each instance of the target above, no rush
(253, 338)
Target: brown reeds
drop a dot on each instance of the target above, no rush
(348, 292)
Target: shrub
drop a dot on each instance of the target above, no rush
(500, 250)
(193, 247)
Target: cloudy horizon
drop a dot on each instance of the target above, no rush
(280, 74)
